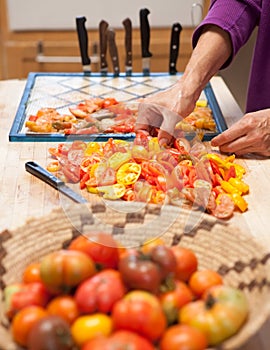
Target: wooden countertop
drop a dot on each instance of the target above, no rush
(23, 196)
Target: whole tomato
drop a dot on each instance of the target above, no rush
(140, 312)
(220, 315)
(202, 280)
(64, 269)
(64, 306)
(23, 322)
(119, 340)
(183, 337)
(139, 273)
(147, 271)
(87, 327)
(186, 264)
(17, 296)
(165, 259)
(100, 247)
(171, 301)
(50, 333)
(100, 292)
(32, 273)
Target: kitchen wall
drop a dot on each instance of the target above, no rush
(24, 24)
(60, 14)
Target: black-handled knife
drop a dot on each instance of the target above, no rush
(113, 51)
(174, 47)
(128, 45)
(103, 26)
(83, 43)
(44, 175)
(145, 40)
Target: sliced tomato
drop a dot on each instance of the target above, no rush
(115, 191)
(224, 208)
(128, 173)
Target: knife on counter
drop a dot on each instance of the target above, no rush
(83, 43)
(128, 45)
(103, 26)
(145, 40)
(174, 47)
(44, 175)
(113, 51)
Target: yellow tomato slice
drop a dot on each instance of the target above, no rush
(118, 159)
(115, 191)
(128, 173)
(201, 103)
(92, 147)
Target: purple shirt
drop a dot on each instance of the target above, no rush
(239, 18)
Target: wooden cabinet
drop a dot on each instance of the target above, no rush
(18, 50)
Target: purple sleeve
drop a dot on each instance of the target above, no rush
(237, 17)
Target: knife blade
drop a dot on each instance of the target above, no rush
(103, 26)
(44, 175)
(145, 40)
(83, 43)
(174, 47)
(113, 51)
(128, 45)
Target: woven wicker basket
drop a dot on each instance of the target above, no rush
(237, 256)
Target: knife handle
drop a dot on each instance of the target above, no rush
(113, 51)
(128, 41)
(83, 40)
(174, 47)
(103, 26)
(41, 173)
(145, 32)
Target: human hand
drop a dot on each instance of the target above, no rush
(251, 134)
(164, 110)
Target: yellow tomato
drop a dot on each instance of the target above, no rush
(92, 147)
(87, 327)
(128, 173)
(115, 191)
(118, 159)
(201, 103)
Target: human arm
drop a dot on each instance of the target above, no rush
(211, 52)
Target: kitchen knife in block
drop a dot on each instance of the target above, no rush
(174, 47)
(103, 26)
(128, 45)
(83, 42)
(113, 51)
(44, 175)
(145, 41)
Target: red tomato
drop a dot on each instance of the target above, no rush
(119, 340)
(202, 280)
(187, 262)
(140, 273)
(173, 300)
(182, 337)
(100, 292)
(23, 322)
(140, 312)
(18, 296)
(65, 307)
(64, 269)
(176, 178)
(32, 273)
(99, 246)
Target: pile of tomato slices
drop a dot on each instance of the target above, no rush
(97, 295)
(143, 171)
